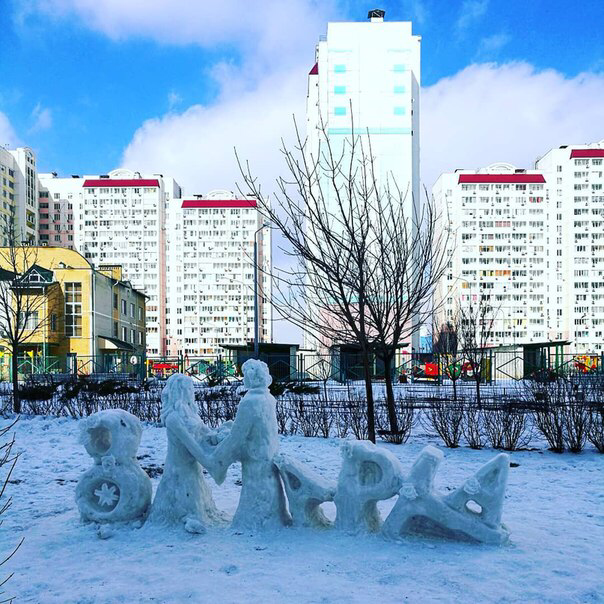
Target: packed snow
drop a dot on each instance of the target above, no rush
(554, 510)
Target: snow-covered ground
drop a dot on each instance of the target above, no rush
(554, 509)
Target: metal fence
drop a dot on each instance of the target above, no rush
(494, 367)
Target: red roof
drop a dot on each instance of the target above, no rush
(501, 178)
(587, 153)
(314, 70)
(111, 182)
(219, 203)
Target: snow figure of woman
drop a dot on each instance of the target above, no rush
(254, 441)
(183, 495)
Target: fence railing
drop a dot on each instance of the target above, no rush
(493, 367)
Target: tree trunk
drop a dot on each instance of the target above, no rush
(477, 379)
(369, 395)
(454, 390)
(15, 380)
(390, 395)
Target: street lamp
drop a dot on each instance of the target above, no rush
(256, 325)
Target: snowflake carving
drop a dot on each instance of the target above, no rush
(107, 495)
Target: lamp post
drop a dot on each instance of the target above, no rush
(256, 322)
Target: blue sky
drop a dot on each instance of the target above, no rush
(81, 78)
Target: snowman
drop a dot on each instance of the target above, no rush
(116, 488)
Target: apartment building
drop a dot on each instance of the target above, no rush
(210, 254)
(18, 195)
(576, 183)
(80, 318)
(117, 219)
(368, 73)
(531, 243)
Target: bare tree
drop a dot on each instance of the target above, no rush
(325, 220)
(8, 461)
(365, 265)
(409, 256)
(477, 323)
(28, 303)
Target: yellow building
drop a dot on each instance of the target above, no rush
(77, 318)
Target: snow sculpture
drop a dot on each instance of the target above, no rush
(254, 441)
(183, 495)
(368, 475)
(116, 488)
(471, 513)
(306, 491)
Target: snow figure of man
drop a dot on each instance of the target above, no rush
(183, 495)
(254, 441)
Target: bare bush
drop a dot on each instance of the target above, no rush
(508, 427)
(446, 417)
(473, 426)
(548, 401)
(596, 426)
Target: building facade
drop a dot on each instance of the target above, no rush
(80, 319)
(18, 195)
(366, 83)
(576, 187)
(211, 276)
(531, 244)
(117, 219)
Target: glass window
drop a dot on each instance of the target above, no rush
(339, 111)
(124, 307)
(339, 68)
(339, 89)
(399, 90)
(115, 302)
(115, 329)
(73, 309)
(399, 111)
(132, 309)
(399, 68)
(29, 319)
(124, 334)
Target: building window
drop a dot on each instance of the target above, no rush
(339, 90)
(53, 322)
(132, 336)
(399, 68)
(29, 319)
(339, 111)
(140, 313)
(399, 111)
(132, 309)
(399, 90)
(140, 338)
(115, 329)
(124, 334)
(339, 68)
(115, 302)
(73, 309)
(124, 307)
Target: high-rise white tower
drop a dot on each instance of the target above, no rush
(368, 74)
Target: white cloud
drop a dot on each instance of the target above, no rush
(268, 33)
(8, 135)
(514, 113)
(491, 45)
(174, 99)
(197, 146)
(470, 12)
(41, 118)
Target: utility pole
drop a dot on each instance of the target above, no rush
(256, 321)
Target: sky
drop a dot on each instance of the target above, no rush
(174, 86)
